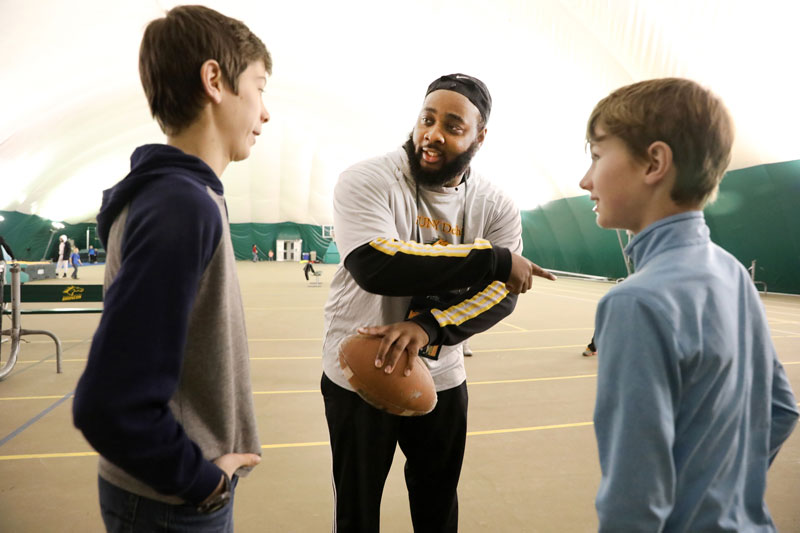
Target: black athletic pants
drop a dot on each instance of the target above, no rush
(363, 443)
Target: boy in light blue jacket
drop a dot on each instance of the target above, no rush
(692, 402)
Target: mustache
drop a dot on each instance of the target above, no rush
(448, 171)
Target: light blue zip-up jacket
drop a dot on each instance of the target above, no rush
(692, 403)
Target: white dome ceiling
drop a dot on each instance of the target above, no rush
(349, 77)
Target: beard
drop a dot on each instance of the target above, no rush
(442, 176)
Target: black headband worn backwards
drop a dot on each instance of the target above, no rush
(473, 88)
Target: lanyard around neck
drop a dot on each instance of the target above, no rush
(463, 214)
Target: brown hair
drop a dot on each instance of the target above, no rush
(690, 119)
(175, 47)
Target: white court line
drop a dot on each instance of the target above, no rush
(553, 289)
(786, 332)
(569, 297)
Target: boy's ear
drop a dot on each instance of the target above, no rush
(211, 77)
(659, 159)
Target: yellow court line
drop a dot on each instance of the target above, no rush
(534, 428)
(788, 306)
(50, 341)
(286, 339)
(505, 323)
(791, 304)
(558, 329)
(787, 313)
(530, 348)
(547, 330)
(470, 383)
(320, 307)
(469, 434)
(255, 393)
(63, 361)
(309, 391)
(285, 391)
(47, 456)
(294, 445)
(778, 309)
(530, 380)
(298, 444)
(32, 398)
(318, 357)
(785, 336)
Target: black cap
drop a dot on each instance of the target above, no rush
(473, 88)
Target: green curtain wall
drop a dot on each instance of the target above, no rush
(265, 235)
(28, 236)
(755, 217)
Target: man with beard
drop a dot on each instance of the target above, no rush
(431, 255)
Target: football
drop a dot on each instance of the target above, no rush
(395, 393)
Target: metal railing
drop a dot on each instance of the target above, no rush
(16, 332)
(752, 270)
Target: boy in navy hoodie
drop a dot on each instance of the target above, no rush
(166, 397)
(692, 402)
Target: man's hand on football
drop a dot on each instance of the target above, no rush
(396, 338)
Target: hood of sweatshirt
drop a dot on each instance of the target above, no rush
(149, 163)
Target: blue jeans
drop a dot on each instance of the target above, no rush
(125, 512)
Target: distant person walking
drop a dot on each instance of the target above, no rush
(75, 260)
(64, 251)
(5, 251)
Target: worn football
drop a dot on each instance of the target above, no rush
(394, 393)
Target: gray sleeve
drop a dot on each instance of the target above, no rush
(505, 227)
(362, 210)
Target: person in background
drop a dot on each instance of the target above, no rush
(64, 251)
(255, 253)
(308, 267)
(591, 349)
(6, 254)
(92, 254)
(467, 350)
(75, 261)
